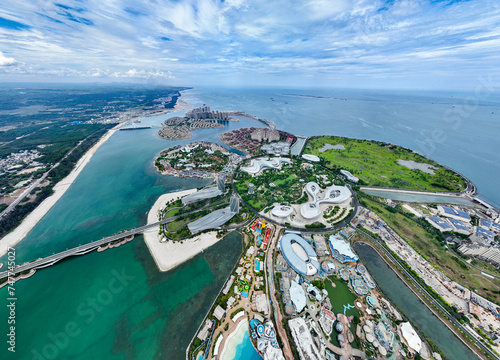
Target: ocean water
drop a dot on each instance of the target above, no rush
(156, 314)
(458, 130)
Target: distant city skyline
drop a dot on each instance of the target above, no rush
(408, 44)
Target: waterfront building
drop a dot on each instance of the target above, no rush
(219, 312)
(208, 192)
(349, 176)
(410, 337)
(203, 194)
(299, 254)
(341, 249)
(453, 213)
(203, 112)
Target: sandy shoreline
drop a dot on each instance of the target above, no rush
(20, 232)
(168, 255)
(231, 351)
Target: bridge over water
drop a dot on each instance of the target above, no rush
(79, 250)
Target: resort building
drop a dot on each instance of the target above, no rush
(302, 337)
(207, 193)
(265, 134)
(297, 296)
(279, 148)
(333, 195)
(310, 157)
(216, 218)
(453, 213)
(341, 249)
(204, 112)
(349, 176)
(299, 254)
(410, 337)
(263, 163)
(282, 211)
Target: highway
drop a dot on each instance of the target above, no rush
(36, 184)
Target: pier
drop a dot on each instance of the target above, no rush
(140, 128)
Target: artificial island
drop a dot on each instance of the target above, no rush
(303, 207)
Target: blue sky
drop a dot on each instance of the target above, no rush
(435, 44)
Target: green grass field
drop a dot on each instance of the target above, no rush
(445, 260)
(375, 163)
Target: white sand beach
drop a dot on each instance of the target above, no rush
(19, 233)
(233, 340)
(168, 255)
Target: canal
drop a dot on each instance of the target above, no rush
(412, 306)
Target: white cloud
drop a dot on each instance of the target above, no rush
(197, 39)
(6, 61)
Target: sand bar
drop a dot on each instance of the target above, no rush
(168, 255)
(20, 232)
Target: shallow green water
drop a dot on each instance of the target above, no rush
(156, 314)
(116, 305)
(341, 296)
(411, 305)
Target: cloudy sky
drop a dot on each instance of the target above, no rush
(438, 44)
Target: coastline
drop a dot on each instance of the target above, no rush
(20, 232)
(168, 255)
(231, 351)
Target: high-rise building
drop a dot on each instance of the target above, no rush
(234, 205)
(221, 179)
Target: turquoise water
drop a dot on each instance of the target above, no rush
(148, 319)
(117, 305)
(418, 198)
(245, 350)
(411, 305)
(156, 314)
